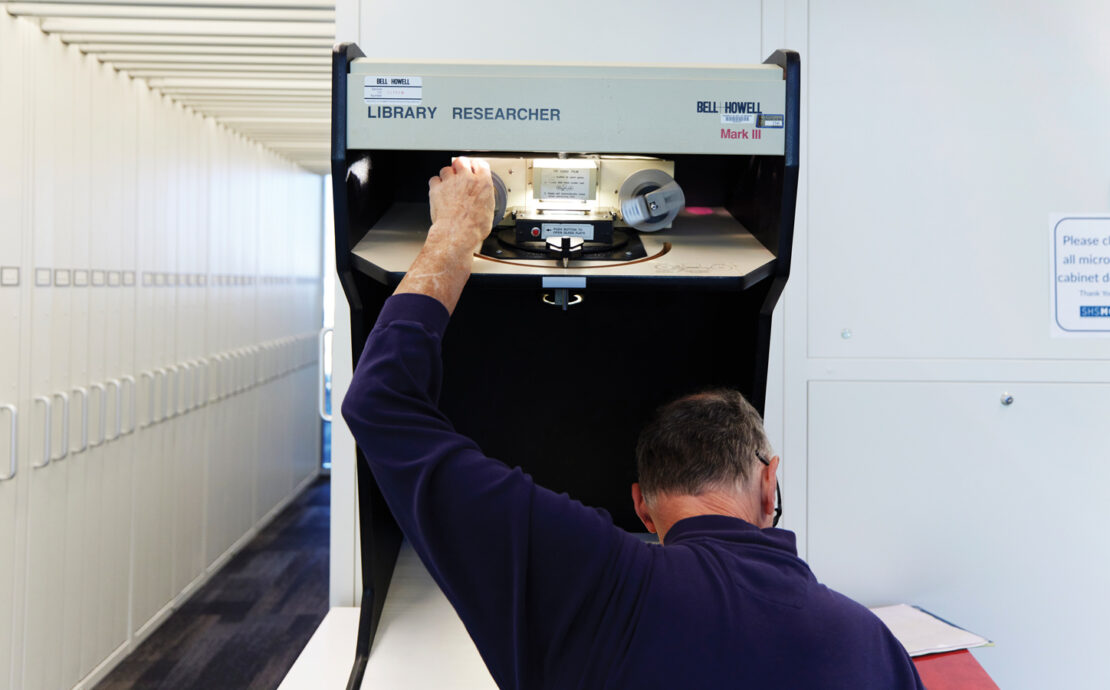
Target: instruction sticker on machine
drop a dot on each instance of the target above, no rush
(581, 230)
(392, 90)
(1080, 255)
(563, 181)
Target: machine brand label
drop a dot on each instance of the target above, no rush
(583, 230)
(392, 90)
(1087, 312)
(729, 133)
(729, 107)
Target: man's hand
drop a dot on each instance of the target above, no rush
(461, 198)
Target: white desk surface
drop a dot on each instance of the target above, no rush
(421, 644)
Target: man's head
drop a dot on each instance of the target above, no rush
(705, 454)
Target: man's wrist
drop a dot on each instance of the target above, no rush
(441, 269)
(456, 241)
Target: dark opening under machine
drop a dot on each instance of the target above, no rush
(644, 223)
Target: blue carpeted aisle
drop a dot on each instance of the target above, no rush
(246, 626)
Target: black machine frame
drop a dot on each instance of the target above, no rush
(645, 340)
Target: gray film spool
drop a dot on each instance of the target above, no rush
(640, 183)
(500, 198)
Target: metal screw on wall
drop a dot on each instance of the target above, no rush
(1007, 399)
(846, 334)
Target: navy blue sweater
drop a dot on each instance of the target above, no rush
(555, 596)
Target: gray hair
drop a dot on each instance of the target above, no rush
(701, 441)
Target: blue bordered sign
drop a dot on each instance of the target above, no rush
(1080, 257)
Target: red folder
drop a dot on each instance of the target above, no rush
(953, 671)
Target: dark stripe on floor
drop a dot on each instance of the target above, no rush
(245, 627)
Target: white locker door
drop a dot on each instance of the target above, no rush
(43, 613)
(117, 243)
(100, 614)
(245, 412)
(167, 163)
(147, 595)
(312, 220)
(271, 425)
(223, 502)
(192, 243)
(13, 283)
(77, 527)
(188, 547)
(102, 218)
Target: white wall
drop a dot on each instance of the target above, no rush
(937, 139)
(941, 136)
(168, 298)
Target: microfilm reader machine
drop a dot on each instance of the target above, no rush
(641, 239)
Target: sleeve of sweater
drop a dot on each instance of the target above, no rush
(531, 573)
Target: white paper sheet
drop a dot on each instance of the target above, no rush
(922, 633)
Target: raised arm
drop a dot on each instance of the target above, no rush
(531, 573)
(461, 198)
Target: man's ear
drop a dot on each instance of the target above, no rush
(640, 505)
(768, 482)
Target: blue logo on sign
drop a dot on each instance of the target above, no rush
(1094, 312)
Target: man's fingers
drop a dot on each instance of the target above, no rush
(463, 164)
(433, 181)
(480, 166)
(446, 172)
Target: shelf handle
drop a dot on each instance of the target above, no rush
(46, 433)
(114, 384)
(65, 425)
(84, 393)
(161, 374)
(99, 387)
(173, 371)
(130, 381)
(237, 372)
(187, 387)
(13, 442)
(202, 382)
(321, 382)
(148, 375)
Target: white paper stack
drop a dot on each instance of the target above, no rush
(921, 633)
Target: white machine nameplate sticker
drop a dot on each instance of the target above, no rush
(392, 90)
(738, 119)
(583, 230)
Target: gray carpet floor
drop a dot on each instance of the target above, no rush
(246, 626)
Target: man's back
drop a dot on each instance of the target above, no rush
(555, 596)
(740, 609)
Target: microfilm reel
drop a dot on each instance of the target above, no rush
(637, 185)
